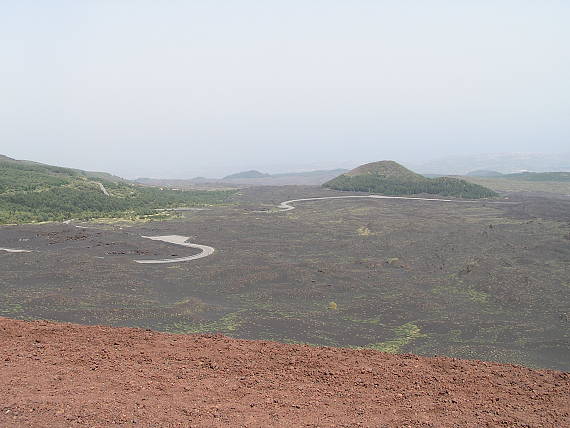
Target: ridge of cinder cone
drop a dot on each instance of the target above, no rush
(387, 169)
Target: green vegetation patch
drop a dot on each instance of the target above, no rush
(404, 335)
(37, 193)
(390, 178)
(227, 324)
(460, 290)
(539, 176)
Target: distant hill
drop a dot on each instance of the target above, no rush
(539, 176)
(40, 167)
(246, 174)
(391, 178)
(483, 173)
(32, 192)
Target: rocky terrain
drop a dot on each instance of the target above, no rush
(58, 375)
(479, 280)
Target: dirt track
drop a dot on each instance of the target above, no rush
(70, 375)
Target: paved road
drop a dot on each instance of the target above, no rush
(178, 240)
(286, 206)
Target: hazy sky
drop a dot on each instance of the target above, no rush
(207, 87)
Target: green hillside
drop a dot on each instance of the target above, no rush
(33, 192)
(386, 169)
(391, 178)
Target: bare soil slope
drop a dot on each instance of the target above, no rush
(56, 375)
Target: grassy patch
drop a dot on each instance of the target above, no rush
(11, 309)
(227, 324)
(189, 307)
(462, 291)
(367, 321)
(404, 335)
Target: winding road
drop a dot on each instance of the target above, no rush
(283, 206)
(178, 240)
(286, 206)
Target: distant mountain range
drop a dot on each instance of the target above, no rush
(505, 163)
(484, 173)
(250, 178)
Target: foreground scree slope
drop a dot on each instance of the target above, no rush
(56, 375)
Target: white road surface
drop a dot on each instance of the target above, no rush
(283, 206)
(103, 189)
(286, 206)
(178, 240)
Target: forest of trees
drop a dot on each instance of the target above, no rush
(444, 186)
(35, 192)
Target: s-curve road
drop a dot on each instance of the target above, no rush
(178, 240)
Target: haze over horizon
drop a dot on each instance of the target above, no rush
(182, 89)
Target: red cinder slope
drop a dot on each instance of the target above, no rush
(57, 375)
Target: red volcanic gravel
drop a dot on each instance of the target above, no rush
(58, 375)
